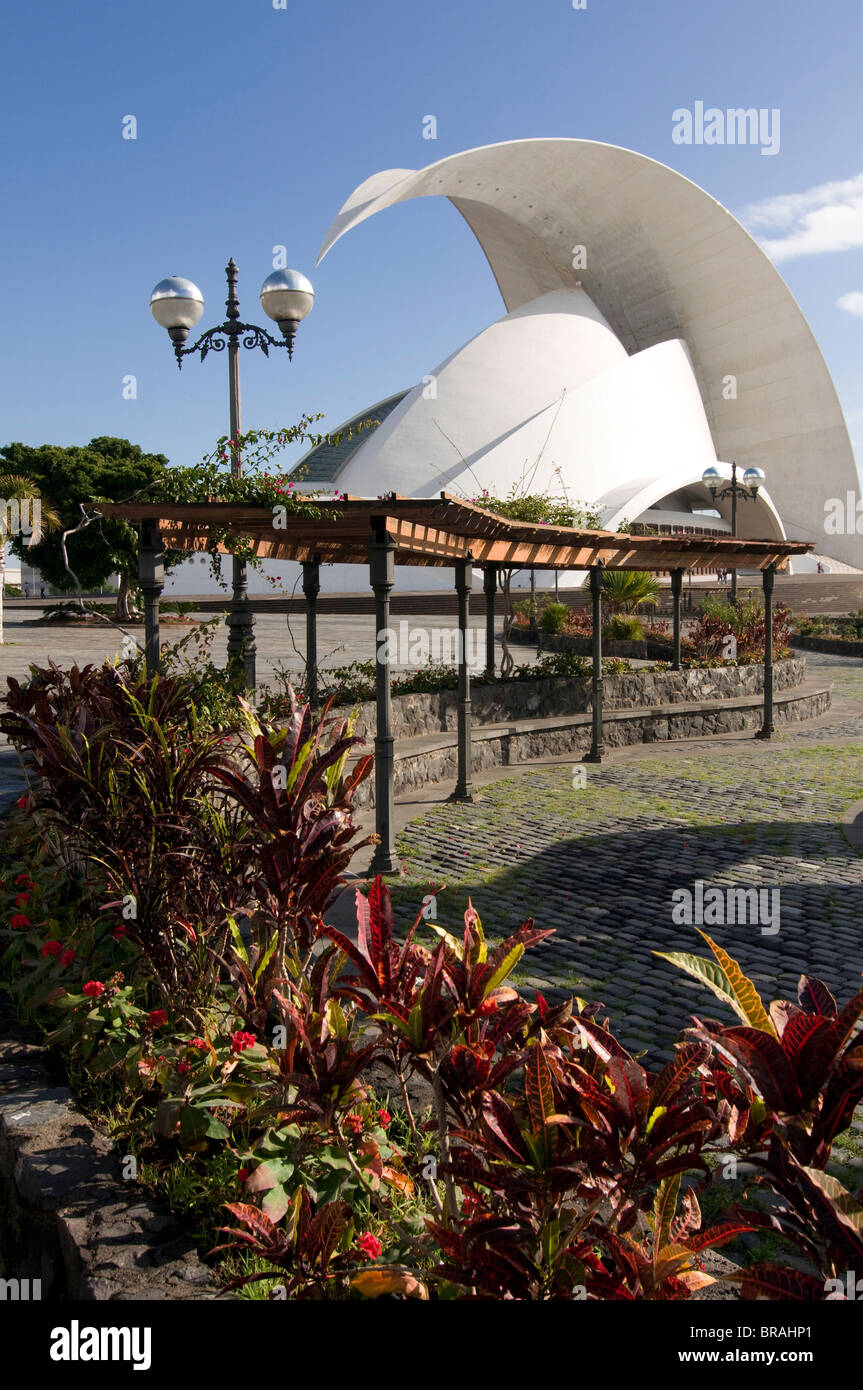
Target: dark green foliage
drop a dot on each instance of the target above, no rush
(107, 470)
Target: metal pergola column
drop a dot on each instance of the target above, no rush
(382, 570)
(311, 589)
(596, 746)
(766, 730)
(151, 572)
(463, 584)
(489, 586)
(676, 591)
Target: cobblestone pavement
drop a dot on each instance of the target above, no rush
(600, 865)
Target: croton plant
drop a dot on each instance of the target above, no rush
(397, 1119)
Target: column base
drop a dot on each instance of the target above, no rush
(462, 794)
(766, 732)
(594, 756)
(384, 863)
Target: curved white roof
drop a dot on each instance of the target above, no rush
(544, 400)
(664, 261)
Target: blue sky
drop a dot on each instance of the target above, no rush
(255, 123)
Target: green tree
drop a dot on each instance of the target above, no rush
(14, 490)
(105, 470)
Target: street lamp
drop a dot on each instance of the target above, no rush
(177, 305)
(752, 480)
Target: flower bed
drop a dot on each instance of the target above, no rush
(162, 900)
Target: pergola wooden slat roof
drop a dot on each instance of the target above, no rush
(441, 531)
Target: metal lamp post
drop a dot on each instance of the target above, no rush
(177, 305)
(752, 480)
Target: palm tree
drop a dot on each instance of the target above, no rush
(625, 590)
(14, 488)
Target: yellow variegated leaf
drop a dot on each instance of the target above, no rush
(371, 1283)
(451, 941)
(664, 1211)
(693, 1279)
(655, 1114)
(397, 1179)
(506, 967)
(267, 956)
(671, 1260)
(738, 992)
(751, 1008)
(237, 939)
(479, 950)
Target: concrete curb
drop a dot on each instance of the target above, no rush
(66, 1217)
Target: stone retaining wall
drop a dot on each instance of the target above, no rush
(839, 646)
(66, 1217)
(550, 738)
(437, 712)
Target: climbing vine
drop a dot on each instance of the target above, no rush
(213, 480)
(540, 509)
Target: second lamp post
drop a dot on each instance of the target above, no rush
(177, 305)
(752, 480)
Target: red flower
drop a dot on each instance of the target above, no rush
(355, 1124)
(240, 1041)
(23, 802)
(157, 1018)
(384, 1116)
(22, 900)
(23, 881)
(183, 1068)
(488, 1006)
(93, 989)
(67, 957)
(199, 1043)
(242, 1174)
(52, 948)
(370, 1246)
(19, 920)
(119, 932)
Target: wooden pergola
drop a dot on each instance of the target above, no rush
(443, 531)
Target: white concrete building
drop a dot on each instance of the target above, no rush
(646, 337)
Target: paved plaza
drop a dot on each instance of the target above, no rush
(600, 866)
(280, 637)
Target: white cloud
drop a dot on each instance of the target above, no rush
(852, 303)
(826, 218)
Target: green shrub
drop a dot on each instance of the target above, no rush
(623, 629)
(553, 617)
